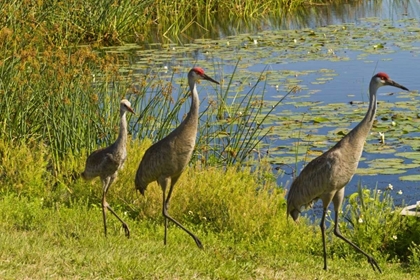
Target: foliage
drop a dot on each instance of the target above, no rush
(234, 128)
(59, 100)
(373, 223)
(23, 170)
(239, 217)
(47, 96)
(73, 22)
(113, 22)
(235, 212)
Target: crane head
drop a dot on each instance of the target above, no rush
(382, 79)
(125, 105)
(197, 73)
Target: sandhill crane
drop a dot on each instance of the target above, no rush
(106, 162)
(165, 160)
(326, 176)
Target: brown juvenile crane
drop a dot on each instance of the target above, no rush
(326, 176)
(106, 162)
(165, 160)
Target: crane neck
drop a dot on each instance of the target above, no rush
(122, 135)
(362, 130)
(192, 116)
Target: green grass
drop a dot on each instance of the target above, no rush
(55, 230)
(62, 242)
(110, 22)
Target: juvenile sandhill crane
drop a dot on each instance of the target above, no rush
(106, 162)
(165, 160)
(326, 176)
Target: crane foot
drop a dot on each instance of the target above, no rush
(374, 264)
(126, 229)
(198, 242)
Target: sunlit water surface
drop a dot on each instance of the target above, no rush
(352, 75)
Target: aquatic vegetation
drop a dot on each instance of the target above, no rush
(66, 64)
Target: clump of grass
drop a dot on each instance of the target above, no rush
(373, 223)
(414, 257)
(23, 169)
(111, 22)
(47, 96)
(235, 127)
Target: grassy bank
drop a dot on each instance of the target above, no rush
(52, 228)
(63, 242)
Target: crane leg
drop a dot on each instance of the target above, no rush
(105, 182)
(171, 181)
(105, 206)
(163, 183)
(322, 226)
(337, 232)
(124, 224)
(167, 182)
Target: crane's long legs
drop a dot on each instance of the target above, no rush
(106, 206)
(167, 182)
(166, 215)
(322, 226)
(337, 232)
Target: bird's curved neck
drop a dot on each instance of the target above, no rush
(362, 130)
(195, 104)
(122, 135)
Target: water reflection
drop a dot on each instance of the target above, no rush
(337, 12)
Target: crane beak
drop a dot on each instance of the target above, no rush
(395, 84)
(131, 110)
(205, 77)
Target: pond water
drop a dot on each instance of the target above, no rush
(330, 52)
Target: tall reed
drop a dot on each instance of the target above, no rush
(111, 22)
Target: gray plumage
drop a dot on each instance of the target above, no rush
(106, 162)
(165, 160)
(326, 176)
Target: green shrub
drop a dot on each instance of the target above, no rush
(373, 223)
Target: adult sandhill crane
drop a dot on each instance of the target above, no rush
(106, 162)
(165, 160)
(326, 176)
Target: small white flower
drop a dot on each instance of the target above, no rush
(379, 191)
(393, 123)
(390, 187)
(360, 221)
(399, 192)
(255, 42)
(394, 237)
